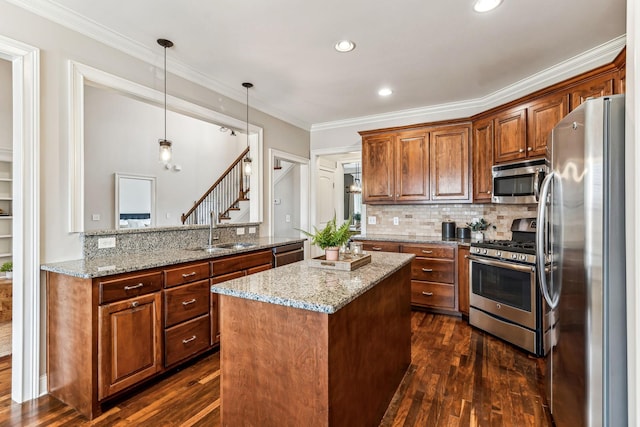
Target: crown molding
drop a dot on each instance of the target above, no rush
(76, 22)
(588, 60)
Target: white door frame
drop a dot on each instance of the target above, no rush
(25, 365)
(304, 189)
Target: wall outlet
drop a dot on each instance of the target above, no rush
(287, 218)
(240, 231)
(252, 230)
(396, 221)
(371, 220)
(95, 217)
(106, 242)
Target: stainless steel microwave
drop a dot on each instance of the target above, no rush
(518, 182)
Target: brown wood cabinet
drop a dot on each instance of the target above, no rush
(510, 138)
(425, 165)
(542, 116)
(379, 246)
(594, 88)
(482, 155)
(433, 273)
(129, 343)
(463, 280)
(449, 164)
(109, 334)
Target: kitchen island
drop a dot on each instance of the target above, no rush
(305, 346)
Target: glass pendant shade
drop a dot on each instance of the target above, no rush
(165, 150)
(164, 143)
(247, 166)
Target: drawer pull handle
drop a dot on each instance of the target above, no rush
(191, 301)
(428, 294)
(427, 270)
(185, 275)
(134, 304)
(128, 288)
(426, 252)
(188, 340)
(376, 248)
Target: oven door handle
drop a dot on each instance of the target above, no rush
(509, 265)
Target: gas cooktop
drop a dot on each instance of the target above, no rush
(507, 245)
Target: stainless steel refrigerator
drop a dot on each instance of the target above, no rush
(581, 248)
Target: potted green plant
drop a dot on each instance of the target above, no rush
(478, 227)
(7, 268)
(330, 238)
(356, 218)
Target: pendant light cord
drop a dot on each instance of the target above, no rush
(165, 93)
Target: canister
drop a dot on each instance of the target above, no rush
(448, 230)
(463, 233)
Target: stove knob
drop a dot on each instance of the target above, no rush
(498, 253)
(514, 256)
(523, 257)
(484, 252)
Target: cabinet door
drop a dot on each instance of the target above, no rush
(449, 164)
(510, 136)
(129, 343)
(595, 88)
(377, 169)
(542, 116)
(412, 161)
(482, 154)
(463, 280)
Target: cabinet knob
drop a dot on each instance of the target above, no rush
(489, 192)
(134, 304)
(521, 150)
(530, 149)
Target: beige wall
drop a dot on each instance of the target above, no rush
(58, 45)
(6, 106)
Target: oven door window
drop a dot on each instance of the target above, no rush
(502, 285)
(519, 185)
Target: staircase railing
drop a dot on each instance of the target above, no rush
(224, 195)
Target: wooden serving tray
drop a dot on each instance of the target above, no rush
(347, 262)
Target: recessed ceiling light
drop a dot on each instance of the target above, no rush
(385, 91)
(345, 46)
(486, 5)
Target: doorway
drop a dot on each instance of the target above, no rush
(6, 177)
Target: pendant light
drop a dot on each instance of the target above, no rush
(165, 144)
(356, 187)
(247, 159)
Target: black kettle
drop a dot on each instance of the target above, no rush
(448, 230)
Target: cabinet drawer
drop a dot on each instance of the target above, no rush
(185, 274)
(186, 302)
(186, 339)
(381, 246)
(436, 295)
(129, 286)
(430, 251)
(258, 269)
(240, 262)
(433, 270)
(225, 277)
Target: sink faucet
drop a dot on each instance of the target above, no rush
(213, 224)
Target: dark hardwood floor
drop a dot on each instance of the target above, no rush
(459, 376)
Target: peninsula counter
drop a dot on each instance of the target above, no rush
(304, 346)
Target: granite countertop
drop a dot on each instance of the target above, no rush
(98, 267)
(411, 239)
(303, 286)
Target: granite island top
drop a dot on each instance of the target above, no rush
(300, 285)
(411, 239)
(106, 266)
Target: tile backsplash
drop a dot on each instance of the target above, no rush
(426, 220)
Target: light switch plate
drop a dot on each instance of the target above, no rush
(240, 231)
(106, 242)
(252, 230)
(95, 217)
(396, 221)
(371, 220)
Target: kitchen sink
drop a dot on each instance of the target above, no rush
(207, 248)
(235, 245)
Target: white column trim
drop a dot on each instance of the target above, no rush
(25, 378)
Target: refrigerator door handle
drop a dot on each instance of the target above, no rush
(540, 246)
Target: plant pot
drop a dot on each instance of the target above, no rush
(9, 274)
(332, 253)
(477, 236)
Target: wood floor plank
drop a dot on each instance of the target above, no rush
(458, 377)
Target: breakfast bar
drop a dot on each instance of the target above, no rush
(306, 346)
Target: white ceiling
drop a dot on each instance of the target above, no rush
(429, 52)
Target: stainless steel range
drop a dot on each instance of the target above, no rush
(505, 299)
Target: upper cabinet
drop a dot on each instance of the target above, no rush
(510, 138)
(594, 88)
(542, 116)
(416, 166)
(482, 155)
(449, 164)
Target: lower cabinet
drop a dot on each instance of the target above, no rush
(109, 334)
(463, 280)
(129, 343)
